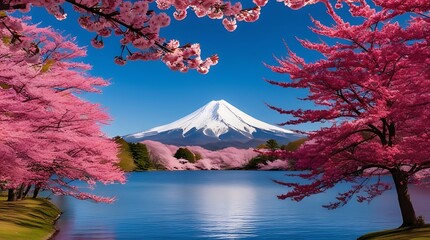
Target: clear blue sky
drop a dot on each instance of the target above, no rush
(143, 95)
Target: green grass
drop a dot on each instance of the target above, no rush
(409, 233)
(27, 219)
(126, 159)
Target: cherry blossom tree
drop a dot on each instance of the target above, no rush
(49, 136)
(162, 154)
(226, 158)
(139, 24)
(373, 86)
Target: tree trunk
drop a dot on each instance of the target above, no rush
(11, 195)
(20, 192)
(26, 191)
(36, 190)
(405, 204)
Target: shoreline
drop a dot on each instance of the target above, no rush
(406, 233)
(55, 230)
(28, 219)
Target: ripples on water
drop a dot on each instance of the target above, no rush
(222, 205)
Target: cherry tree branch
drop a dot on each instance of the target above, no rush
(110, 17)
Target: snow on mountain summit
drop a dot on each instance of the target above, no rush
(215, 121)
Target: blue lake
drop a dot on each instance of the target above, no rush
(223, 205)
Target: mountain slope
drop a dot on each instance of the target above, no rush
(218, 124)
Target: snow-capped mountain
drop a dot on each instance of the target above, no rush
(218, 124)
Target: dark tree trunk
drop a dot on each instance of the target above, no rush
(11, 195)
(36, 190)
(20, 192)
(405, 204)
(26, 191)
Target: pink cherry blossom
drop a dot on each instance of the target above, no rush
(297, 4)
(140, 22)
(180, 14)
(230, 25)
(260, 3)
(97, 43)
(373, 86)
(277, 164)
(49, 135)
(120, 61)
(211, 160)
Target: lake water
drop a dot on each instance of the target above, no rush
(223, 205)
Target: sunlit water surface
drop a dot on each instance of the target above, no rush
(223, 205)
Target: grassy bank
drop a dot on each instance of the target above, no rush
(417, 233)
(27, 219)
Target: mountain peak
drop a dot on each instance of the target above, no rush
(216, 103)
(222, 101)
(215, 120)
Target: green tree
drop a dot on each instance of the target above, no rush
(270, 156)
(140, 155)
(272, 144)
(185, 153)
(126, 159)
(294, 145)
(261, 146)
(255, 161)
(197, 156)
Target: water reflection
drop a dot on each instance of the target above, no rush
(73, 218)
(65, 224)
(223, 205)
(223, 213)
(93, 234)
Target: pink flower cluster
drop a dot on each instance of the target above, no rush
(140, 25)
(46, 129)
(211, 160)
(373, 86)
(297, 4)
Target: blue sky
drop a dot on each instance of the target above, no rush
(143, 95)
